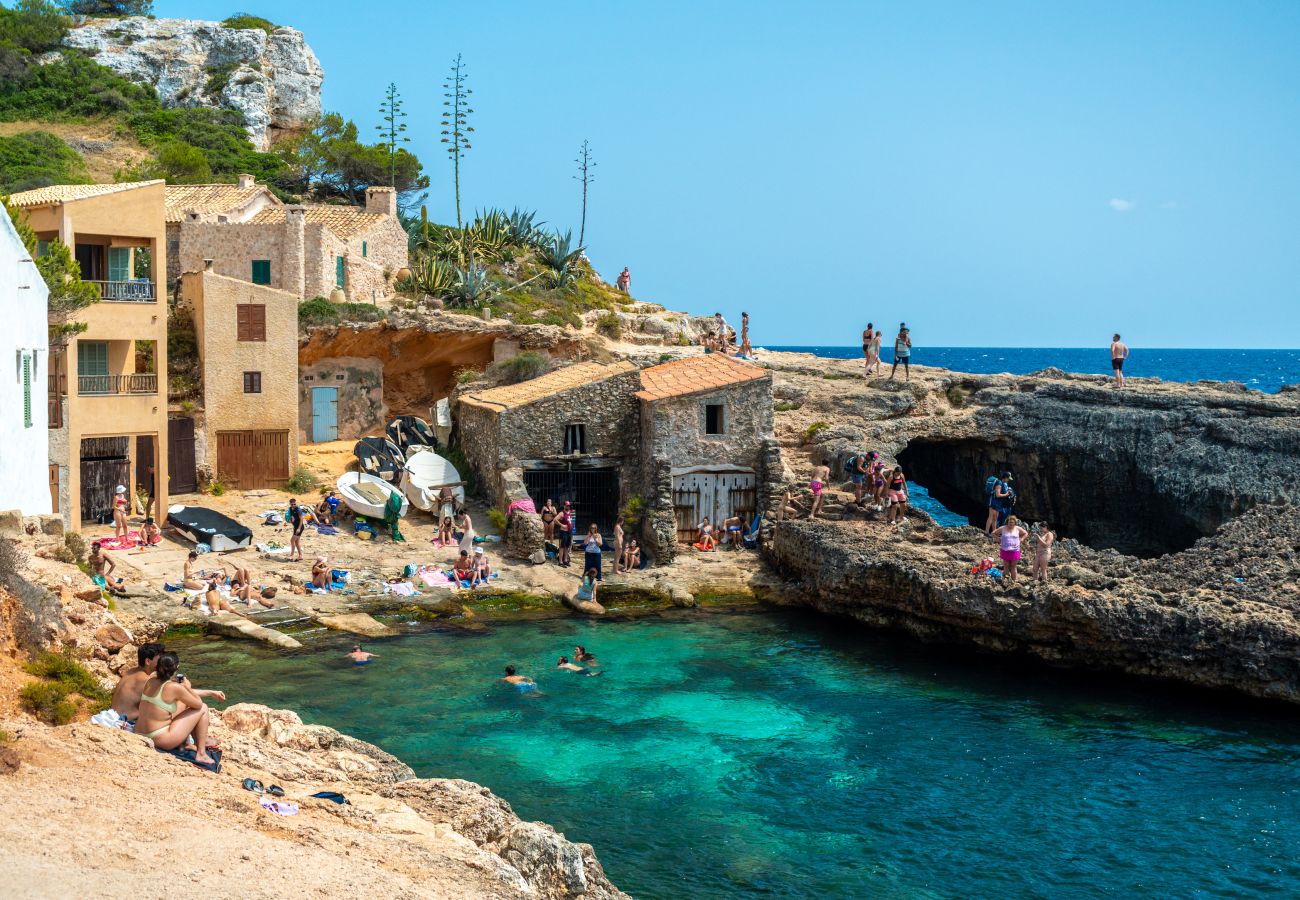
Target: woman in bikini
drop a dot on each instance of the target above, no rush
(631, 556)
(320, 573)
(868, 335)
(1044, 538)
(898, 496)
(549, 512)
(119, 513)
(445, 538)
(706, 541)
(162, 719)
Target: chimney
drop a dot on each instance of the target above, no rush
(207, 265)
(247, 181)
(295, 250)
(381, 200)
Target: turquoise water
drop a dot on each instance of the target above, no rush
(781, 755)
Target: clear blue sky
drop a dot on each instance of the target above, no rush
(1009, 174)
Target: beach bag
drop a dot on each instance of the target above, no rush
(851, 465)
(990, 487)
(409, 570)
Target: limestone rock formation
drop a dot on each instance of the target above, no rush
(273, 79)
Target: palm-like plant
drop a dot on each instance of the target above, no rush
(524, 232)
(472, 288)
(433, 276)
(488, 236)
(557, 255)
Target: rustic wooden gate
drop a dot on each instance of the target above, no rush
(718, 495)
(686, 504)
(181, 476)
(250, 460)
(104, 465)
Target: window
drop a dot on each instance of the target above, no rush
(92, 357)
(363, 248)
(714, 423)
(119, 263)
(42, 248)
(340, 275)
(251, 322)
(252, 382)
(27, 390)
(575, 439)
(261, 271)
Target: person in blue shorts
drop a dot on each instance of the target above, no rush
(523, 683)
(360, 657)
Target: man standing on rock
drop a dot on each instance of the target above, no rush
(1118, 353)
(902, 352)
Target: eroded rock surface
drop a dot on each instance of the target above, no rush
(273, 79)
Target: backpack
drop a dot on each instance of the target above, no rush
(990, 487)
(851, 465)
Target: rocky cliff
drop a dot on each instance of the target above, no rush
(273, 79)
(1177, 504)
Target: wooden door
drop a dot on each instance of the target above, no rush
(251, 460)
(54, 489)
(718, 495)
(181, 475)
(324, 414)
(104, 465)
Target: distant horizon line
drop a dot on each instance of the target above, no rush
(1098, 347)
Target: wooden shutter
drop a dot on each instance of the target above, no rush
(261, 271)
(252, 382)
(27, 390)
(339, 272)
(250, 322)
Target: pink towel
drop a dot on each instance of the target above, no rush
(433, 577)
(522, 506)
(130, 542)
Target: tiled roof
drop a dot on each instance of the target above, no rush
(62, 193)
(344, 221)
(695, 374)
(210, 198)
(548, 385)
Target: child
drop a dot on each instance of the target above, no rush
(150, 534)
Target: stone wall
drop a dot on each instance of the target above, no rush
(370, 276)
(232, 247)
(360, 384)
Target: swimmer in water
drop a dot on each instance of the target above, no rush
(522, 682)
(581, 655)
(359, 656)
(570, 667)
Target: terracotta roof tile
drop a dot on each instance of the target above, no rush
(210, 198)
(344, 221)
(695, 374)
(548, 385)
(62, 193)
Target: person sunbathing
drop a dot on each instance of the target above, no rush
(482, 568)
(216, 602)
(151, 533)
(320, 573)
(464, 569)
(631, 556)
(324, 514)
(241, 588)
(171, 711)
(191, 580)
(101, 570)
(126, 694)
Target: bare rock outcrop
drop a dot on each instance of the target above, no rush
(273, 79)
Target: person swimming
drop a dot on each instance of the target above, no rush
(522, 682)
(360, 657)
(581, 655)
(570, 667)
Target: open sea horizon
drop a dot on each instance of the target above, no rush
(1260, 370)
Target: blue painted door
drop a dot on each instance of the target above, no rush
(324, 414)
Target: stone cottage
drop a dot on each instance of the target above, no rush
(222, 203)
(247, 337)
(310, 251)
(707, 447)
(571, 434)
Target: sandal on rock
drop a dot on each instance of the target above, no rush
(253, 785)
(275, 790)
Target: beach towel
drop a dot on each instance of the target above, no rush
(129, 542)
(111, 718)
(434, 578)
(187, 754)
(525, 505)
(279, 807)
(401, 589)
(326, 529)
(273, 551)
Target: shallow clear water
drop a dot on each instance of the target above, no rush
(783, 755)
(1262, 370)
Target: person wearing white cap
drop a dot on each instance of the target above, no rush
(119, 512)
(482, 570)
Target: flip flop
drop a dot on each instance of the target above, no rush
(332, 795)
(275, 790)
(253, 785)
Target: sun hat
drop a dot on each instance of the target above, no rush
(121, 489)
(478, 550)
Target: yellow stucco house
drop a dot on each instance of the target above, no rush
(108, 385)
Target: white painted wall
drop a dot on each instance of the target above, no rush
(24, 449)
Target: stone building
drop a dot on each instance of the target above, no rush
(309, 251)
(340, 398)
(707, 446)
(108, 407)
(692, 438)
(222, 203)
(247, 338)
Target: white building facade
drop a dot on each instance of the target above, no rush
(24, 374)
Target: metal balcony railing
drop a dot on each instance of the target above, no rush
(109, 385)
(139, 290)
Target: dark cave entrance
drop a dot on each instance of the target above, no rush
(1104, 503)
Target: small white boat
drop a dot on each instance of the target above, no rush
(425, 475)
(367, 495)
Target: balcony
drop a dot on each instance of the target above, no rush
(140, 290)
(116, 385)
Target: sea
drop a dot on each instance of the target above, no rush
(1260, 370)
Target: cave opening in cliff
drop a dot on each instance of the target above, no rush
(1104, 503)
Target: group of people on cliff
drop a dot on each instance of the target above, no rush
(1002, 525)
(872, 338)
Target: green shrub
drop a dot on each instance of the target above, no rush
(244, 20)
(12, 561)
(76, 543)
(359, 312)
(956, 396)
(48, 701)
(521, 367)
(217, 486)
(66, 671)
(785, 406)
(456, 456)
(498, 519)
(467, 375)
(664, 357)
(317, 311)
(633, 509)
(218, 78)
(610, 325)
(812, 430)
(302, 481)
(33, 159)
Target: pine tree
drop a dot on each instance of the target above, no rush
(586, 176)
(62, 275)
(455, 122)
(392, 129)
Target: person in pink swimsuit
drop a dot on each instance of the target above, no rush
(1009, 537)
(820, 476)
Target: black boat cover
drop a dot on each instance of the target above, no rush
(379, 457)
(202, 524)
(411, 431)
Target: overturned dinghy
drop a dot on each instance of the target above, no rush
(207, 526)
(368, 495)
(410, 433)
(379, 457)
(424, 477)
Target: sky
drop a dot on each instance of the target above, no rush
(995, 174)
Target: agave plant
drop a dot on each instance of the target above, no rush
(557, 254)
(472, 288)
(524, 232)
(433, 276)
(488, 236)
